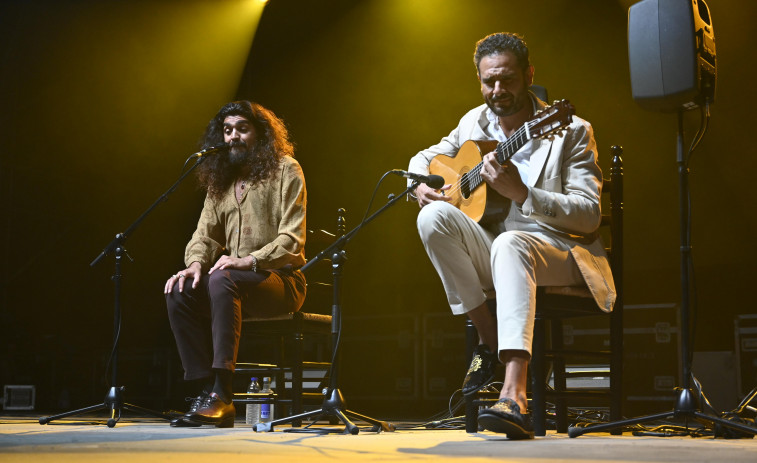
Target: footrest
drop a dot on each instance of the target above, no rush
(258, 367)
(251, 367)
(315, 365)
(255, 398)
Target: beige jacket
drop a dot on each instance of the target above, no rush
(564, 184)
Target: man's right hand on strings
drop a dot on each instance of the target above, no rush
(426, 194)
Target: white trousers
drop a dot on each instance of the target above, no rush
(474, 264)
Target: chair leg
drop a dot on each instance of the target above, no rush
(471, 409)
(280, 373)
(616, 365)
(538, 379)
(297, 359)
(558, 366)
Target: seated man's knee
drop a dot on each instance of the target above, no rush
(432, 217)
(176, 299)
(219, 282)
(511, 243)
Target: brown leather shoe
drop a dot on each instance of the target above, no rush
(194, 404)
(213, 411)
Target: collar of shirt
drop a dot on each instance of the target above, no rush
(494, 129)
(521, 159)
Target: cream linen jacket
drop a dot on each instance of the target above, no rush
(564, 183)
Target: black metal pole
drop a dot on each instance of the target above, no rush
(683, 200)
(113, 401)
(686, 405)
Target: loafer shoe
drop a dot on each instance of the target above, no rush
(194, 404)
(505, 417)
(481, 370)
(213, 411)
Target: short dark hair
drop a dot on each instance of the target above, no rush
(498, 43)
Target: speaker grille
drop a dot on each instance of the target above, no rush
(671, 53)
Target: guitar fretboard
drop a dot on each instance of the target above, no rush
(470, 180)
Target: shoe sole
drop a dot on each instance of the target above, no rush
(227, 422)
(471, 392)
(182, 423)
(498, 424)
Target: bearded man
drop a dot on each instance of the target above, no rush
(548, 237)
(243, 258)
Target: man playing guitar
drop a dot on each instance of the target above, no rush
(541, 231)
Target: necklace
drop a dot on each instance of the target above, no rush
(240, 190)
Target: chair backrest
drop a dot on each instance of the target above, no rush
(319, 277)
(615, 218)
(540, 92)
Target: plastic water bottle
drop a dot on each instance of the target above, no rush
(253, 410)
(266, 410)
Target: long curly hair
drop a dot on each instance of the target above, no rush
(216, 174)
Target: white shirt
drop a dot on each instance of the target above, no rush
(522, 158)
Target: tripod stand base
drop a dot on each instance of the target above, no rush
(113, 402)
(685, 408)
(333, 405)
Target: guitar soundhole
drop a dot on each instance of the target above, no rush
(465, 188)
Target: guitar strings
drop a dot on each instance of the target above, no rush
(472, 178)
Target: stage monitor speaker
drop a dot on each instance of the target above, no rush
(671, 54)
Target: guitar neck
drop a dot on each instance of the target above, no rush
(505, 151)
(507, 148)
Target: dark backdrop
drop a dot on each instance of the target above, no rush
(103, 101)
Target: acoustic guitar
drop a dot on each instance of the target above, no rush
(463, 171)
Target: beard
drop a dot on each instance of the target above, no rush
(509, 104)
(239, 159)
(239, 153)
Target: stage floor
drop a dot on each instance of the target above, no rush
(135, 439)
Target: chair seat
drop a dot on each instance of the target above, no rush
(575, 291)
(300, 316)
(554, 302)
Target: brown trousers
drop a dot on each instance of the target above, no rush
(207, 321)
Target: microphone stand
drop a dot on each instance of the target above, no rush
(334, 403)
(114, 398)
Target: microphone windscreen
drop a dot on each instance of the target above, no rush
(435, 181)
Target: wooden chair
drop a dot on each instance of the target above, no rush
(289, 332)
(553, 305)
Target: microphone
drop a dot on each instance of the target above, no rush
(433, 181)
(212, 150)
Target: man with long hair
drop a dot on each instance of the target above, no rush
(243, 258)
(548, 237)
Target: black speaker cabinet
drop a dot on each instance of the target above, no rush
(671, 54)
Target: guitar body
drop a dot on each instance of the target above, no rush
(469, 191)
(481, 203)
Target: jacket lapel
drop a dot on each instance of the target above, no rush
(539, 157)
(541, 149)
